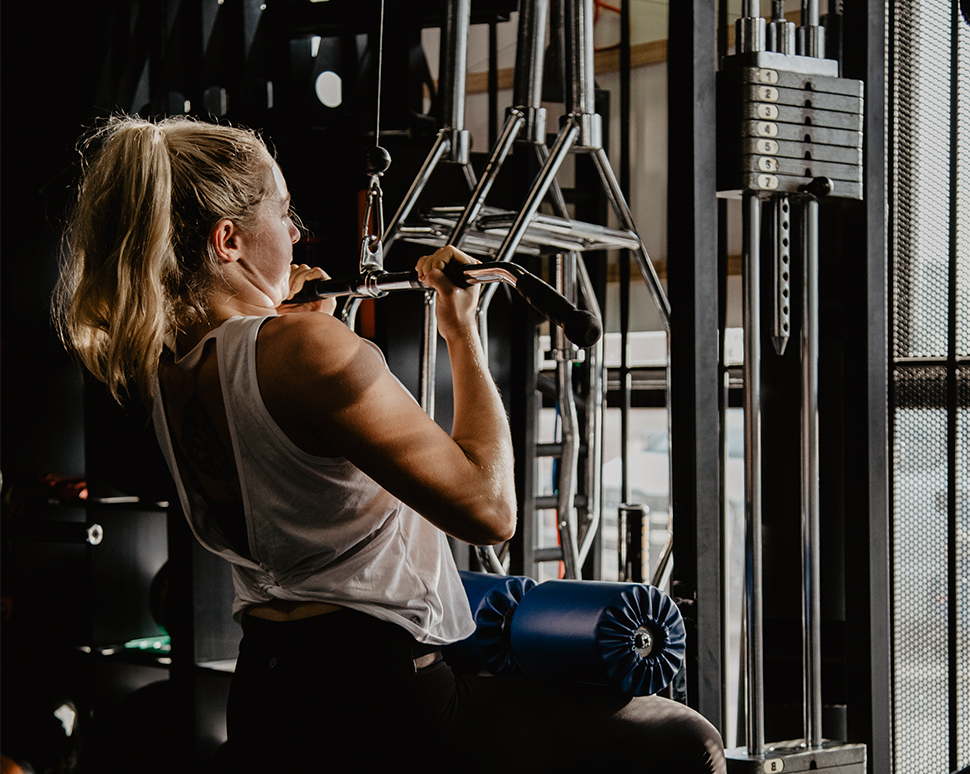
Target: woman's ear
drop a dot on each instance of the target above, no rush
(225, 240)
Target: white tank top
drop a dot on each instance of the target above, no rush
(319, 528)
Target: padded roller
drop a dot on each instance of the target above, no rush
(493, 599)
(627, 635)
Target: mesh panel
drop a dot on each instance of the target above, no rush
(963, 194)
(963, 566)
(922, 174)
(920, 682)
(927, 226)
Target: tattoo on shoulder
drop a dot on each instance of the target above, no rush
(202, 443)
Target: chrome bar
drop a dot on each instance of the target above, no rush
(490, 560)
(810, 42)
(595, 406)
(811, 544)
(441, 146)
(569, 462)
(586, 236)
(596, 400)
(550, 502)
(622, 210)
(513, 126)
(484, 299)
(348, 315)
(454, 56)
(473, 242)
(475, 275)
(753, 610)
(811, 35)
(580, 76)
(780, 32)
(529, 52)
(749, 29)
(555, 191)
(429, 354)
(429, 339)
(543, 180)
(665, 565)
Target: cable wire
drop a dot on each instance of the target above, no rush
(380, 59)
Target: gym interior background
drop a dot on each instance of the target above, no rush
(116, 646)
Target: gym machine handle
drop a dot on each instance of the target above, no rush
(582, 328)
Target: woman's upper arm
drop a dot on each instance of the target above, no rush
(352, 401)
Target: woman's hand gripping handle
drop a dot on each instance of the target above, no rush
(299, 276)
(456, 307)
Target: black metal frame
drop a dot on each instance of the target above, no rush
(865, 386)
(856, 378)
(694, 380)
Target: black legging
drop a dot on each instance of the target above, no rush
(339, 692)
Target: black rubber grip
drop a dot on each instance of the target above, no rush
(455, 271)
(314, 290)
(582, 328)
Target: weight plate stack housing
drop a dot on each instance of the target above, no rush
(786, 121)
(832, 757)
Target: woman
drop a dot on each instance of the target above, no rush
(303, 462)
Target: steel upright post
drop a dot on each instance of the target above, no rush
(753, 612)
(810, 42)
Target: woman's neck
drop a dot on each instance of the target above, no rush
(221, 308)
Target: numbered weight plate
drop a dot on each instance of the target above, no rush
(786, 79)
(810, 135)
(801, 167)
(756, 92)
(790, 114)
(763, 146)
(769, 182)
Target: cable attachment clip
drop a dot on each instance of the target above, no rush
(371, 246)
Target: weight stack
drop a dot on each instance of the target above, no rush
(786, 122)
(831, 757)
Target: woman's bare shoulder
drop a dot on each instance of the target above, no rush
(312, 345)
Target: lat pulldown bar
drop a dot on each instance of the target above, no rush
(581, 327)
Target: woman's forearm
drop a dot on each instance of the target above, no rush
(480, 426)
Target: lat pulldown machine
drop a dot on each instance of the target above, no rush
(502, 234)
(790, 132)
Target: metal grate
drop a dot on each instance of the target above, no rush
(931, 413)
(922, 177)
(963, 195)
(963, 565)
(920, 680)
(963, 399)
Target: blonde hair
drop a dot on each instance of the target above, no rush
(138, 256)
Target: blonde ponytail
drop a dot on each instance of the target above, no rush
(138, 259)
